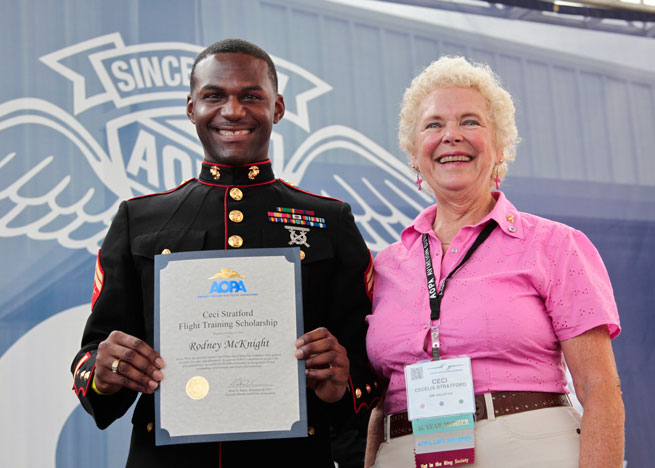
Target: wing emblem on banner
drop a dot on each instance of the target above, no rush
(60, 183)
(374, 182)
(56, 197)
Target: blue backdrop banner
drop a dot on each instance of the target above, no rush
(92, 112)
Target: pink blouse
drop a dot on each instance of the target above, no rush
(531, 284)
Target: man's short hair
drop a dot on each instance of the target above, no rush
(233, 46)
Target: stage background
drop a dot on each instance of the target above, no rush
(92, 112)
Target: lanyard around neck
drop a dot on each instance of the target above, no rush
(436, 296)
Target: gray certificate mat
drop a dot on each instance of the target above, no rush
(226, 323)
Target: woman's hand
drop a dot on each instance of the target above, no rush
(591, 361)
(375, 435)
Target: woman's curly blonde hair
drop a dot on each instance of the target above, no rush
(457, 71)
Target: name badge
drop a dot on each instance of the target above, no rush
(439, 388)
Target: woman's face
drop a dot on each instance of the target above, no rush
(455, 143)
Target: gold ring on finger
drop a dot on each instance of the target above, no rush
(114, 366)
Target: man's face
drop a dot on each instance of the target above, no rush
(234, 106)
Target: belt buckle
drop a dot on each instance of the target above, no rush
(480, 408)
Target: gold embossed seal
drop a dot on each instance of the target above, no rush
(197, 387)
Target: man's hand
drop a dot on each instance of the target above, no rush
(326, 363)
(138, 364)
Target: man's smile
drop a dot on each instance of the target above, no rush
(234, 132)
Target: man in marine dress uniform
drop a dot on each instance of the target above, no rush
(234, 104)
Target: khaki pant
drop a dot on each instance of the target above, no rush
(543, 438)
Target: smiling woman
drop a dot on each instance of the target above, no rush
(455, 143)
(516, 293)
(451, 72)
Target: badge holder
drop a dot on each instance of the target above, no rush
(440, 396)
(440, 405)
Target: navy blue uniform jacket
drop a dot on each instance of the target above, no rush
(225, 208)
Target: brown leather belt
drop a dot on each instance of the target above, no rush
(504, 403)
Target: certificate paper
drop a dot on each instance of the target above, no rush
(226, 323)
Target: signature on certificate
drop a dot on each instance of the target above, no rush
(242, 383)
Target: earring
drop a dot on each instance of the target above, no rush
(497, 177)
(419, 181)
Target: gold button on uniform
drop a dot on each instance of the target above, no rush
(235, 241)
(236, 216)
(311, 430)
(302, 255)
(236, 194)
(149, 427)
(358, 393)
(165, 252)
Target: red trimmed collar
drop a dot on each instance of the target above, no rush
(222, 175)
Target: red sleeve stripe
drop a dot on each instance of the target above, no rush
(362, 404)
(83, 390)
(369, 277)
(80, 362)
(98, 281)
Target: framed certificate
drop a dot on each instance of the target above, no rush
(226, 323)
